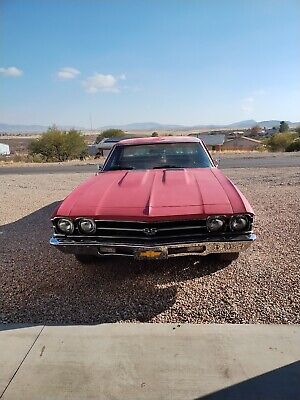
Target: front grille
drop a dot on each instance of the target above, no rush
(149, 233)
(145, 232)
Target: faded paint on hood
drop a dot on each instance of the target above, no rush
(155, 194)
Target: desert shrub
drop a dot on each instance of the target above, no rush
(294, 146)
(19, 157)
(280, 141)
(35, 158)
(57, 145)
(109, 133)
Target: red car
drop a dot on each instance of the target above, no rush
(155, 198)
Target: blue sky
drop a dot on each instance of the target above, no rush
(169, 61)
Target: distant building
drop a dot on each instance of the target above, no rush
(242, 143)
(238, 133)
(270, 131)
(212, 142)
(4, 149)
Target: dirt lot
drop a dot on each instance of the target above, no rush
(17, 144)
(40, 285)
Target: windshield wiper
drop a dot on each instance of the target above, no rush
(119, 167)
(167, 166)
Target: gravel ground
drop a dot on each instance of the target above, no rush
(40, 285)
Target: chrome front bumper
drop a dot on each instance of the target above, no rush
(234, 245)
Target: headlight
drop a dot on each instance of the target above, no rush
(239, 223)
(65, 226)
(215, 224)
(86, 225)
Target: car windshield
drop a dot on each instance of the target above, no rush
(158, 156)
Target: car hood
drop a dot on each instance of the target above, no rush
(155, 194)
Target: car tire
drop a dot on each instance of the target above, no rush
(84, 258)
(228, 256)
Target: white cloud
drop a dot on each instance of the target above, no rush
(102, 83)
(67, 73)
(11, 71)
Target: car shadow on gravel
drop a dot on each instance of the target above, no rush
(277, 384)
(42, 285)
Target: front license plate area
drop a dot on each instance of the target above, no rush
(151, 254)
(226, 247)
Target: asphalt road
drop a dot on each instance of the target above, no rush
(256, 160)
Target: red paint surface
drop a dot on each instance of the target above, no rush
(145, 195)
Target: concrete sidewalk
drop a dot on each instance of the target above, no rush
(150, 361)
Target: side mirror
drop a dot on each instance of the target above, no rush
(99, 167)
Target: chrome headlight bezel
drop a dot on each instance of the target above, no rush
(233, 219)
(62, 231)
(83, 231)
(213, 218)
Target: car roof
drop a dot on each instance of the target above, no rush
(159, 139)
(112, 139)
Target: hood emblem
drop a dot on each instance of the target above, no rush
(150, 231)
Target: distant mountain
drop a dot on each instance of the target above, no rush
(142, 126)
(8, 128)
(274, 122)
(147, 126)
(28, 129)
(248, 123)
(267, 124)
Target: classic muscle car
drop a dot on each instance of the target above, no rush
(155, 198)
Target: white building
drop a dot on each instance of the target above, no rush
(4, 149)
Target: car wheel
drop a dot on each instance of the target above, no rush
(228, 256)
(84, 258)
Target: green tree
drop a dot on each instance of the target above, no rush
(294, 146)
(154, 134)
(74, 145)
(280, 141)
(109, 133)
(284, 127)
(254, 131)
(57, 145)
